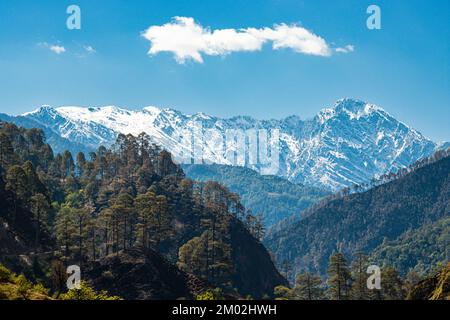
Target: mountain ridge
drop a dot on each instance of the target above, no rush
(365, 221)
(346, 144)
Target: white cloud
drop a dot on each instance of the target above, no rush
(188, 40)
(347, 49)
(57, 49)
(89, 49)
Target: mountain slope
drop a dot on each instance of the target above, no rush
(362, 221)
(59, 144)
(273, 197)
(420, 249)
(436, 287)
(133, 202)
(140, 276)
(347, 144)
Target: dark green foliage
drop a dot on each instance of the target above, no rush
(339, 277)
(363, 221)
(273, 197)
(419, 250)
(359, 266)
(308, 287)
(341, 284)
(84, 292)
(130, 197)
(61, 144)
(392, 286)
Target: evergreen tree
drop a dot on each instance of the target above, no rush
(145, 206)
(359, 290)
(123, 210)
(161, 219)
(339, 278)
(7, 156)
(65, 229)
(392, 287)
(82, 220)
(308, 287)
(193, 257)
(40, 209)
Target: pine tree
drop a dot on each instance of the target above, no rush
(339, 278)
(40, 209)
(146, 206)
(7, 156)
(193, 257)
(308, 287)
(65, 229)
(17, 183)
(392, 287)
(162, 220)
(287, 269)
(359, 289)
(82, 218)
(123, 209)
(81, 163)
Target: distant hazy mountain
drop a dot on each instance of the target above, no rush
(275, 198)
(347, 144)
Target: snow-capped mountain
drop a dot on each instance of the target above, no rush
(346, 144)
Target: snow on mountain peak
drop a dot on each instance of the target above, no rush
(152, 110)
(42, 109)
(347, 144)
(356, 109)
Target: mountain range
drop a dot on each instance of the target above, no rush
(349, 143)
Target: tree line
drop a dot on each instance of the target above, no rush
(348, 281)
(131, 195)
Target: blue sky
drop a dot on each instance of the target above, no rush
(404, 67)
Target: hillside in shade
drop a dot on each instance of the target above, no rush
(364, 221)
(417, 249)
(123, 213)
(274, 198)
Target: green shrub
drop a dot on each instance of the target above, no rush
(5, 274)
(87, 293)
(39, 288)
(214, 294)
(23, 287)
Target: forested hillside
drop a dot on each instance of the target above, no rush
(116, 209)
(273, 198)
(58, 143)
(364, 221)
(420, 250)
